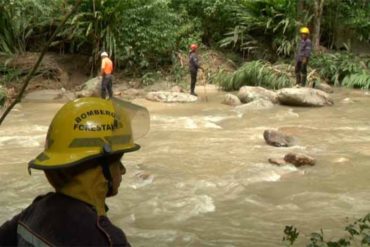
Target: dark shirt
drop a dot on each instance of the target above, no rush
(193, 62)
(59, 220)
(304, 50)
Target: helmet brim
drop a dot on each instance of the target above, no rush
(53, 161)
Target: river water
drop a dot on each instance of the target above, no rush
(202, 176)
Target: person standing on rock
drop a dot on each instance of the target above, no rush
(302, 57)
(106, 73)
(84, 146)
(194, 66)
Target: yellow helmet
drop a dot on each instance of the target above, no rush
(304, 30)
(88, 128)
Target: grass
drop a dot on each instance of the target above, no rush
(255, 73)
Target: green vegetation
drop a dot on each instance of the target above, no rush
(265, 28)
(256, 73)
(358, 234)
(344, 69)
(145, 36)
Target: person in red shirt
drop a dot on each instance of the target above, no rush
(106, 73)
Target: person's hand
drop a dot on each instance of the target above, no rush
(304, 60)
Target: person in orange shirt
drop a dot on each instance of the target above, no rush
(106, 73)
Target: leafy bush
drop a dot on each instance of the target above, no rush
(270, 22)
(343, 69)
(358, 235)
(256, 73)
(20, 20)
(213, 16)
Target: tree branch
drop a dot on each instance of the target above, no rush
(45, 49)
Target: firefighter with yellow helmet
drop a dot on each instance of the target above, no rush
(82, 161)
(302, 57)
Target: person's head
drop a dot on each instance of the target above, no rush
(193, 47)
(104, 54)
(304, 32)
(85, 143)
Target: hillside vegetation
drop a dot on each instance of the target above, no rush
(147, 36)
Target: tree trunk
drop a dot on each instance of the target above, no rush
(318, 6)
(300, 9)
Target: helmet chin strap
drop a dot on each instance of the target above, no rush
(105, 167)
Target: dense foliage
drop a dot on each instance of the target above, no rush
(343, 69)
(146, 35)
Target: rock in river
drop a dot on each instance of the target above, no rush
(256, 105)
(248, 94)
(324, 87)
(278, 162)
(171, 97)
(278, 139)
(299, 159)
(91, 88)
(303, 97)
(231, 99)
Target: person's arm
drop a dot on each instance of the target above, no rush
(8, 232)
(102, 67)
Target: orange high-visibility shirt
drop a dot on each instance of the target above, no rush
(107, 66)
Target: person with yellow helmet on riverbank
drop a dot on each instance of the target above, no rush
(302, 57)
(82, 161)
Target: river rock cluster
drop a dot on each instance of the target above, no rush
(256, 97)
(280, 139)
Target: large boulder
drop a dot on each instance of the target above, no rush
(248, 94)
(91, 88)
(170, 97)
(299, 160)
(230, 99)
(324, 87)
(303, 97)
(257, 105)
(278, 139)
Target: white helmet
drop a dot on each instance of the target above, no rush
(104, 54)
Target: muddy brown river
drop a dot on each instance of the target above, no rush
(207, 181)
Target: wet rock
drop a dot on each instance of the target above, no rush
(67, 95)
(45, 95)
(324, 87)
(248, 94)
(304, 97)
(91, 88)
(231, 99)
(177, 89)
(170, 97)
(256, 105)
(278, 139)
(278, 162)
(299, 160)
